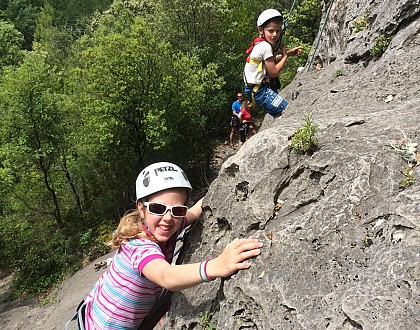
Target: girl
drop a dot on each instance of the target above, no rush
(245, 122)
(145, 240)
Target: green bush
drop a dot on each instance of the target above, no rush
(339, 73)
(206, 322)
(409, 179)
(361, 23)
(305, 139)
(381, 45)
(40, 257)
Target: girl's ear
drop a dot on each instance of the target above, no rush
(261, 31)
(141, 209)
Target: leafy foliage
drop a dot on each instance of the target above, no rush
(41, 265)
(339, 73)
(206, 322)
(23, 13)
(409, 178)
(361, 23)
(35, 186)
(102, 91)
(305, 139)
(31, 134)
(72, 16)
(142, 99)
(10, 44)
(303, 23)
(380, 46)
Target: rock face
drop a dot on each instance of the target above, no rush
(342, 247)
(342, 236)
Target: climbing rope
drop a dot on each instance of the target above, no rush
(320, 34)
(284, 26)
(286, 23)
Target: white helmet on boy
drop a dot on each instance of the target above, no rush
(160, 176)
(266, 15)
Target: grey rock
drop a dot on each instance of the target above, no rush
(344, 251)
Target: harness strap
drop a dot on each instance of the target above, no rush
(66, 326)
(254, 90)
(259, 63)
(79, 316)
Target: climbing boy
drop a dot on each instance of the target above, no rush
(262, 63)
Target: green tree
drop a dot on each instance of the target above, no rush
(139, 100)
(10, 44)
(303, 23)
(46, 35)
(71, 17)
(35, 184)
(23, 14)
(31, 135)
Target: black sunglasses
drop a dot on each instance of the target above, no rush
(160, 209)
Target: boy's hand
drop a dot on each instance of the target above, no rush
(283, 50)
(295, 51)
(231, 259)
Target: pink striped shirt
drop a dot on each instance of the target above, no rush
(123, 297)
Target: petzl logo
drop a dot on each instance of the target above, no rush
(164, 169)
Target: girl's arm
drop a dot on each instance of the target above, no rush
(194, 212)
(179, 277)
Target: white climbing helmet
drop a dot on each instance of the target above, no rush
(266, 15)
(160, 176)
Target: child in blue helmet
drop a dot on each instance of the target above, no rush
(262, 63)
(128, 295)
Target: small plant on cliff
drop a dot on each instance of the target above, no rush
(305, 138)
(361, 23)
(206, 322)
(381, 45)
(408, 151)
(339, 73)
(409, 179)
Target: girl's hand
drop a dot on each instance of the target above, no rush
(231, 259)
(194, 212)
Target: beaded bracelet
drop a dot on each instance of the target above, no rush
(203, 271)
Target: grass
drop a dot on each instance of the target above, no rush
(339, 73)
(408, 180)
(305, 139)
(206, 322)
(381, 45)
(407, 149)
(361, 23)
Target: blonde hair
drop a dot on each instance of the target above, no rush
(130, 227)
(244, 104)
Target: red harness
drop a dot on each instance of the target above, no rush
(253, 43)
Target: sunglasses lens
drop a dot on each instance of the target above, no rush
(179, 211)
(157, 208)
